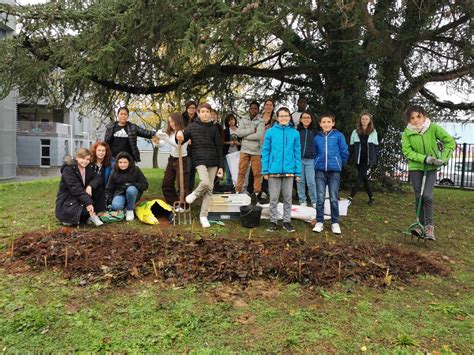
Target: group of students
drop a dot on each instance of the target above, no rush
(276, 150)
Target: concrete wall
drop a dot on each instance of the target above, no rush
(146, 157)
(8, 137)
(7, 113)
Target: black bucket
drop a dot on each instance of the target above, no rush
(250, 216)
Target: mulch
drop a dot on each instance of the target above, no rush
(121, 257)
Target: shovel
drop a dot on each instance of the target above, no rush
(182, 211)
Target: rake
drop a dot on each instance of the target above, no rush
(181, 210)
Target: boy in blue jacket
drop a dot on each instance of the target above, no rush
(330, 155)
(281, 163)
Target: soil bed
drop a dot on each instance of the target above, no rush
(119, 257)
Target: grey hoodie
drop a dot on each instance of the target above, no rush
(251, 132)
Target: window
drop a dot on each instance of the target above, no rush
(45, 153)
(39, 113)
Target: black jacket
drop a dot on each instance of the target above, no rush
(72, 197)
(133, 132)
(307, 142)
(120, 180)
(206, 147)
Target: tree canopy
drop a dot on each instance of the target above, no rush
(344, 56)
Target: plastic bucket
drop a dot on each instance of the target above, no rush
(250, 216)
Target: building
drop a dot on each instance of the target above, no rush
(7, 113)
(45, 135)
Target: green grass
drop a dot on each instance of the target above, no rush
(43, 311)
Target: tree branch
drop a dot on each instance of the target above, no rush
(204, 75)
(445, 28)
(417, 83)
(445, 104)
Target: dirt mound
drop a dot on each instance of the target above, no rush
(94, 256)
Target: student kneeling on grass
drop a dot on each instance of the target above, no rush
(126, 185)
(208, 157)
(74, 202)
(281, 164)
(331, 153)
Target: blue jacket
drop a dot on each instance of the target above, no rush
(307, 142)
(331, 152)
(281, 152)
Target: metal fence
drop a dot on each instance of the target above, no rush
(459, 172)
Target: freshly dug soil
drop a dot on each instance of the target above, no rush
(118, 257)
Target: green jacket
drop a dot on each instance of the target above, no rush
(416, 146)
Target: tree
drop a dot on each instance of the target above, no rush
(345, 56)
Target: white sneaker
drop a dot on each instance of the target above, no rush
(179, 210)
(318, 227)
(129, 216)
(314, 205)
(303, 204)
(204, 222)
(336, 228)
(95, 220)
(191, 198)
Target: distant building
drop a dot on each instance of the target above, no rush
(45, 135)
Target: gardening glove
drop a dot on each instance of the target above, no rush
(430, 159)
(438, 162)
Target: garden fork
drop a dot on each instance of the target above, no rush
(181, 210)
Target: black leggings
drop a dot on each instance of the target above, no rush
(361, 178)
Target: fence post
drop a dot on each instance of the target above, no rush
(463, 168)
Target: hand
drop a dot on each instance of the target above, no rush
(220, 173)
(232, 142)
(237, 143)
(297, 178)
(265, 177)
(89, 190)
(90, 209)
(180, 136)
(155, 140)
(438, 162)
(429, 159)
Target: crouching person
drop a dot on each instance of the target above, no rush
(125, 186)
(74, 204)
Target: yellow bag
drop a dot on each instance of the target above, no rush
(149, 211)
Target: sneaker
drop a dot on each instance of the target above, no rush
(95, 220)
(129, 216)
(336, 228)
(191, 198)
(271, 227)
(429, 232)
(288, 227)
(253, 199)
(179, 210)
(371, 200)
(303, 204)
(318, 227)
(204, 222)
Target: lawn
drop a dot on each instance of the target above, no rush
(46, 312)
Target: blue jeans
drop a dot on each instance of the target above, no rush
(228, 175)
(331, 179)
(307, 178)
(127, 199)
